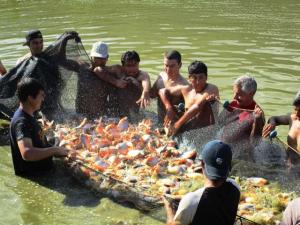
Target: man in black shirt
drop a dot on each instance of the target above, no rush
(31, 153)
(217, 202)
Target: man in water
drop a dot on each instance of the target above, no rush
(92, 92)
(293, 139)
(133, 84)
(217, 202)
(43, 66)
(35, 43)
(243, 120)
(169, 78)
(31, 153)
(198, 111)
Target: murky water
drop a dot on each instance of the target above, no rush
(232, 37)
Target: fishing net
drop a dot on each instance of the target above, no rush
(63, 70)
(243, 221)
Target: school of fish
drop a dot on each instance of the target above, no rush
(138, 164)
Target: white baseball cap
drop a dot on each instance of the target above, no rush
(99, 49)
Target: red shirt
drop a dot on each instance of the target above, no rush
(244, 115)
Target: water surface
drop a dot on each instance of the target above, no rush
(234, 37)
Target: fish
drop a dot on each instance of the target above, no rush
(134, 163)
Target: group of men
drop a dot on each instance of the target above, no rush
(182, 105)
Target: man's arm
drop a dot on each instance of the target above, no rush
(192, 111)
(31, 153)
(144, 100)
(259, 122)
(275, 121)
(164, 95)
(169, 212)
(62, 47)
(158, 84)
(107, 74)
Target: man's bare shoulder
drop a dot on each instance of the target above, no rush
(182, 80)
(186, 88)
(159, 82)
(23, 58)
(142, 75)
(212, 89)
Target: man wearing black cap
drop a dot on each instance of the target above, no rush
(34, 40)
(217, 202)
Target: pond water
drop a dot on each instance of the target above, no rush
(233, 37)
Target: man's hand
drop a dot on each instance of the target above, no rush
(73, 34)
(258, 113)
(267, 129)
(144, 101)
(172, 129)
(212, 97)
(61, 152)
(170, 116)
(133, 80)
(121, 83)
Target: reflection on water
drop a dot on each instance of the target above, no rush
(231, 37)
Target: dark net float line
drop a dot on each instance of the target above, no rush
(243, 220)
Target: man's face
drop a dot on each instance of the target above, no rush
(198, 81)
(36, 102)
(131, 68)
(97, 61)
(297, 111)
(171, 67)
(36, 46)
(244, 99)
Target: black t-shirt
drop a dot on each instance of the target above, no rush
(218, 206)
(26, 126)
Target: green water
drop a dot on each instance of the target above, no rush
(258, 37)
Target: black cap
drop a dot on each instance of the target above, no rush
(32, 34)
(217, 157)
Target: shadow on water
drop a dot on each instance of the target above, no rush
(60, 181)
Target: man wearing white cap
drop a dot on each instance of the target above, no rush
(217, 202)
(99, 54)
(133, 84)
(92, 92)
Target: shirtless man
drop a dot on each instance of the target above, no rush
(293, 138)
(243, 120)
(196, 95)
(169, 78)
(133, 84)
